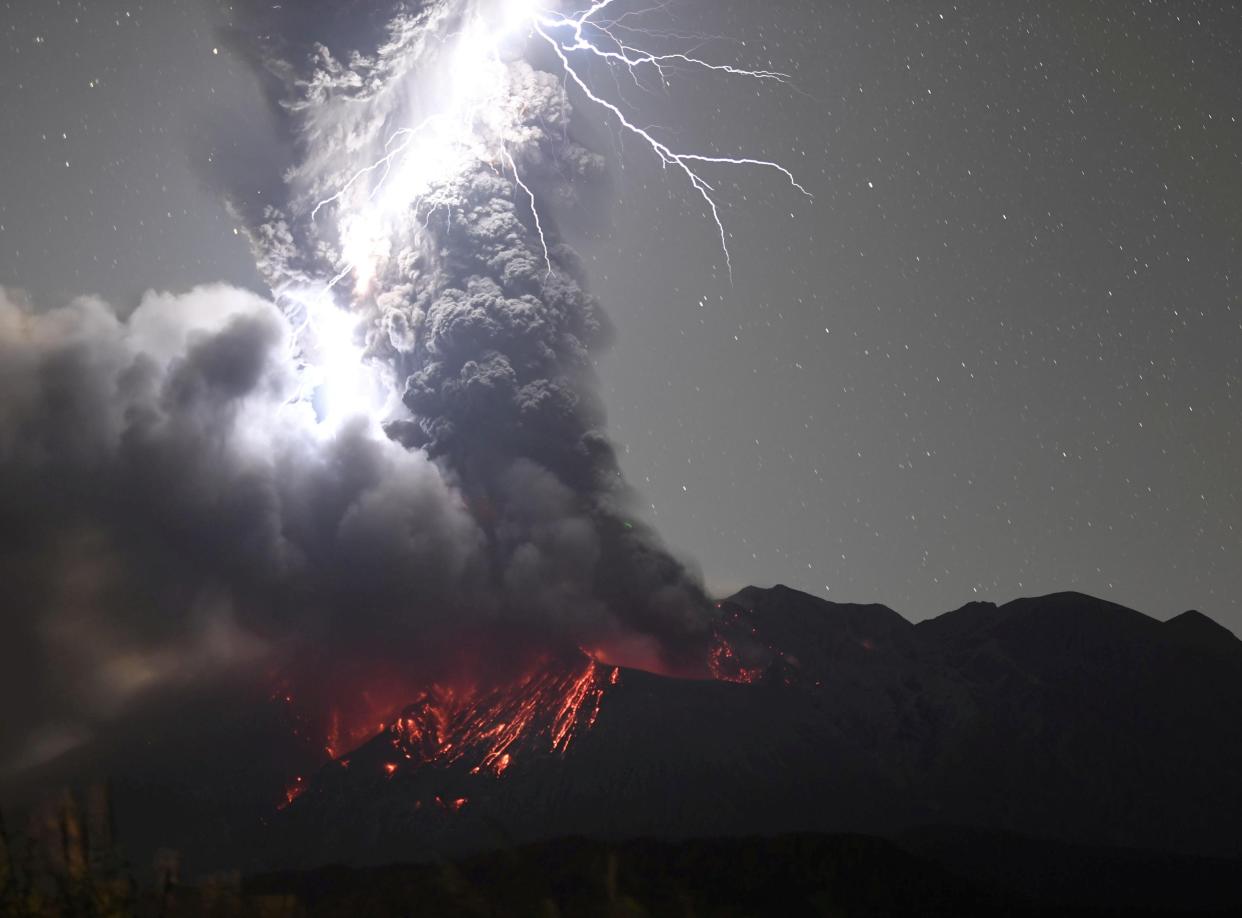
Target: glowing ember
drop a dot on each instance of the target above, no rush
(332, 744)
(724, 661)
(726, 667)
(339, 713)
(548, 708)
(294, 791)
(485, 730)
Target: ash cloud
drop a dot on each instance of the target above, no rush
(170, 514)
(490, 339)
(173, 512)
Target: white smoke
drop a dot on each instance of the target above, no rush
(407, 439)
(172, 508)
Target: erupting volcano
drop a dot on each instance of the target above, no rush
(549, 707)
(484, 729)
(430, 174)
(876, 725)
(338, 558)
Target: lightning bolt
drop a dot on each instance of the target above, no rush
(407, 137)
(680, 161)
(632, 58)
(586, 33)
(534, 209)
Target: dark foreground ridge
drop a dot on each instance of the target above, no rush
(937, 873)
(1063, 717)
(1036, 757)
(791, 875)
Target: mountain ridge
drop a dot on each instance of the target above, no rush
(1063, 716)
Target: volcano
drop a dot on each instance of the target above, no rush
(1063, 717)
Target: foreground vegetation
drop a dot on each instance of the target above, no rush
(64, 863)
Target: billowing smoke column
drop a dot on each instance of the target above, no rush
(172, 512)
(496, 352)
(405, 453)
(418, 199)
(470, 311)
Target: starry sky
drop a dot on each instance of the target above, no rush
(999, 354)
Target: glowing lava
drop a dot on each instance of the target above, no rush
(726, 667)
(480, 730)
(293, 791)
(546, 710)
(723, 659)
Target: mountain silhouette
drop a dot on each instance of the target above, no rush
(1062, 717)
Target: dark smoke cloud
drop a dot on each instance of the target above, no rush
(493, 351)
(169, 512)
(169, 509)
(501, 386)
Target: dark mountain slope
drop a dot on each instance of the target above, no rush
(1093, 723)
(1063, 717)
(1196, 630)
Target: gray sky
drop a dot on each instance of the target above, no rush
(998, 354)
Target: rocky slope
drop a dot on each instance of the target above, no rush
(1063, 717)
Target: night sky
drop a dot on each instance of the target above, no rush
(999, 354)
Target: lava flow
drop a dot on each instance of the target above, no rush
(723, 659)
(547, 709)
(484, 728)
(726, 667)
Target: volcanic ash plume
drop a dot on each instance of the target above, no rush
(419, 203)
(171, 511)
(393, 472)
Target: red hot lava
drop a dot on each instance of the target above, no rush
(723, 660)
(547, 708)
(487, 727)
(726, 667)
(293, 791)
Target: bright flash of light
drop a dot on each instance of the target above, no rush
(579, 26)
(476, 125)
(478, 120)
(337, 381)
